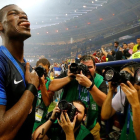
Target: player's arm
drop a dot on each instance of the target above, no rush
(11, 120)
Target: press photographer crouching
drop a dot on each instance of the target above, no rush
(68, 125)
(127, 100)
(81, 82)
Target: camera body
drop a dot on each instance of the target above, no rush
(76, 68)
(117, 77)
(40, 71)
(71, 109)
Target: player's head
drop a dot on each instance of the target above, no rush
(14, 23)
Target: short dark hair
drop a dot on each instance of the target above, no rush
(80, 102)
(116, 42)
(44, 61)
(87, 57)
(132, 66)
(125, 43)
(1, 11)
(138, 38)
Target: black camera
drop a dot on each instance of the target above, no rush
(76, 68)
(71, 109)
(117, 77)
(40, 71)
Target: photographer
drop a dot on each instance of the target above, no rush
(65, 129)
(90, 89)
(126, 101)
(45, 96)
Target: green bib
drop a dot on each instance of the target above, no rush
(41, 104)
(131, 135)
(86, 97)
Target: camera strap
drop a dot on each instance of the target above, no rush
(79, 88)
(129, 116)
(11, 58)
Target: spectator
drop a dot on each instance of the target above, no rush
(90, 89)
(56, 70)
(64, 129)
(17, 97)
(97, 60)
(63, 66)
(126, 101)
(118, 55)
(131, 47)
(136, 54)
(45, 96)
(103, 58)
(108, 56)
(116, 45)
(135, 47)
(77, 60)
(126, 53)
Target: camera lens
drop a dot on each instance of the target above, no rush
(109, 75)
(73, 67)
(63, 105)
(137, 76)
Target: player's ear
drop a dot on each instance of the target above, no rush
(84, 117)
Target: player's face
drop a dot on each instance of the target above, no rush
(15, 23)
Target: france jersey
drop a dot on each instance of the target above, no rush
(11, 89)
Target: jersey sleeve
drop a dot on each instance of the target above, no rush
(118, 101)
(3, 98)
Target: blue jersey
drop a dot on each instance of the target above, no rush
(11, 89)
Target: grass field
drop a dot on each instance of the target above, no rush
(51, 107)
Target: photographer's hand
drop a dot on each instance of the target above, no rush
(55, 110)
(42, 80)
(132, 96)
(112, 88)
(67, 125)
(83, 80)
(69, 73)
(131, 93)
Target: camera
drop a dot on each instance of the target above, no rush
(76, 68)
(71, 109)
(117, 77)
(40, 71)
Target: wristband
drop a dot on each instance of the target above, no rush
(89, 88)
(52, 120)
(32, 88)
